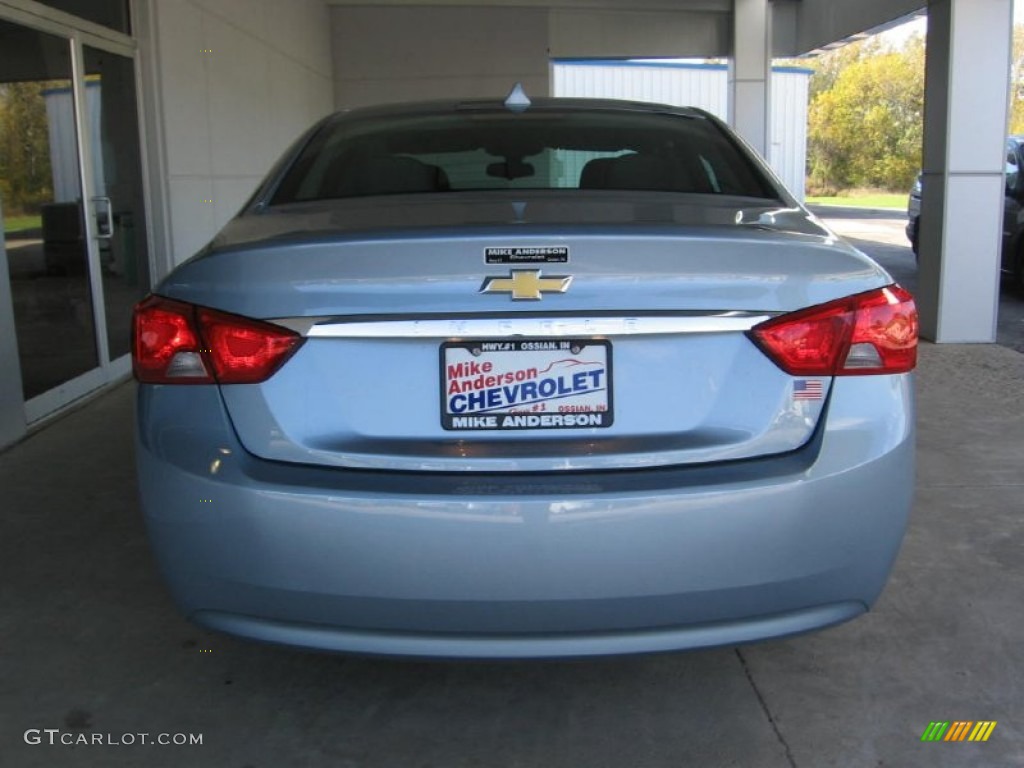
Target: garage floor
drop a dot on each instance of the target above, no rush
(90, 643)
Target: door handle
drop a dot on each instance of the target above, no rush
(107, 232)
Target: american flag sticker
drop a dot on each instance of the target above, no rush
(807, 389)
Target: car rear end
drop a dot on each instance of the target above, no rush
(521, 422)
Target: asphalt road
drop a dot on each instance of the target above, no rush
(880, 234)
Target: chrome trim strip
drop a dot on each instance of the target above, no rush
(532, 327)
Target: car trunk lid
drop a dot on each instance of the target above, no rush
(642, 361)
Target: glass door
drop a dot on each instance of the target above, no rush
(116, 195)
(75, 254)
(43, 212)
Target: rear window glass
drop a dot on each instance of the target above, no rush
(479, 150)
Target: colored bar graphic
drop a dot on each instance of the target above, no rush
(982, 730)
(958, 730)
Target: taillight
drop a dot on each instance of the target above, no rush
(166, 348)
(178, 343)
(244, 351)
(873, 332)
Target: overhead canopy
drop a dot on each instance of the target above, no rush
(697, 28)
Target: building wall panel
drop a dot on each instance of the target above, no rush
(236, 81)
(429, 55)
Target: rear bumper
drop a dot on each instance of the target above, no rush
(528, 646)
(555, 564)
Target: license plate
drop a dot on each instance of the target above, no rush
(526, 384)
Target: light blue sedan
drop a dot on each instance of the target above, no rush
(494, 380)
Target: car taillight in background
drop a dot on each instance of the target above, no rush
(870, 333)
(178, 343)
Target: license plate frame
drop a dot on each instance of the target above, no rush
(526, 384)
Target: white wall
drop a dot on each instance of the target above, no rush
(705, 87)
(787, 151)
(231, 84)
(594, 33)
(390, 54)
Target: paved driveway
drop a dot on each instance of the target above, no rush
(91, 646)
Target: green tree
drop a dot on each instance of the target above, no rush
(26, 181)
(865, 123)
(1017, 81)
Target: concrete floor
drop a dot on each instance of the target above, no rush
(90, 644)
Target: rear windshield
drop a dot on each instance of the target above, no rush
(539, 149)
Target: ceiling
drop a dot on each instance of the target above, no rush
(799, 26)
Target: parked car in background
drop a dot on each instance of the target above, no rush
(1012, 259)
(518, 379)
(1013, 212)
(914, 214)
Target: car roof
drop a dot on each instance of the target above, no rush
(538, 104)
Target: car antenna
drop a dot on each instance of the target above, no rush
(517, 100)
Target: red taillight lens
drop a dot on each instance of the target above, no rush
(885, 335)
(165, 344)
(178, 343)
(873, 332)
(244, 351)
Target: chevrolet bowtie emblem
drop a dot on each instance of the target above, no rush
(526, 284)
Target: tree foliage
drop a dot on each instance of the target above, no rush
(865, 123)
(1017, 82)
(26, 181)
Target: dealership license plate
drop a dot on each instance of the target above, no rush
(526, 384)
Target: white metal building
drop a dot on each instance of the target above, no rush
(699, 85)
